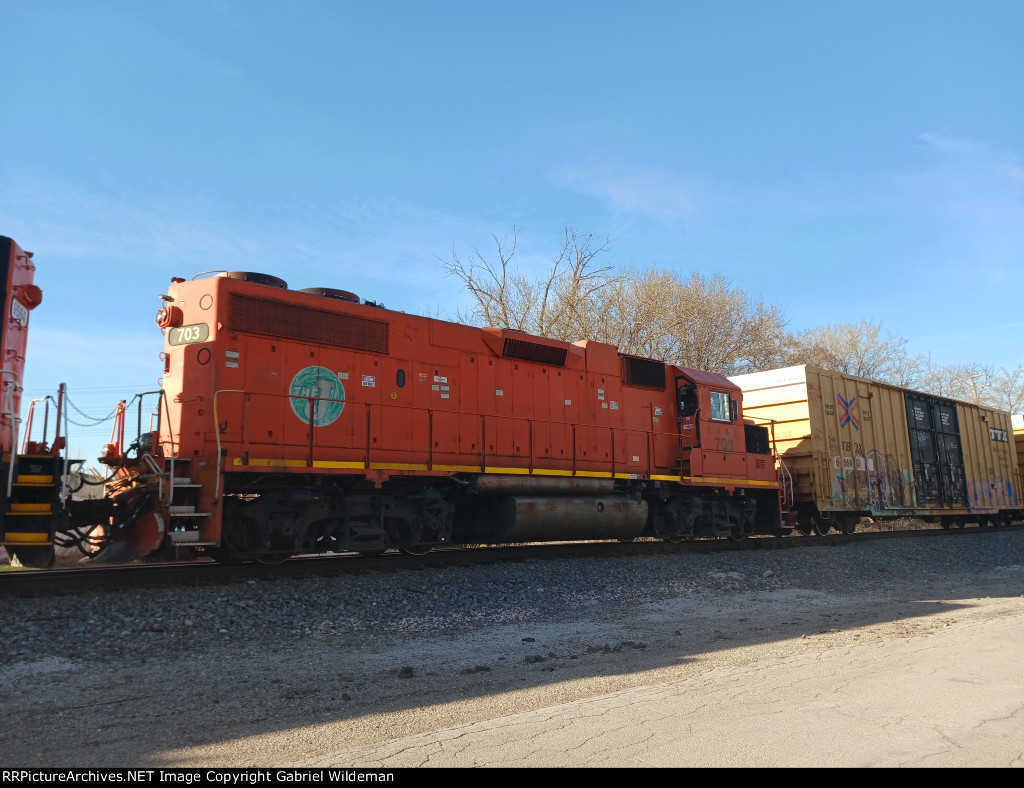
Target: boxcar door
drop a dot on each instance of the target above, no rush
(935, 451)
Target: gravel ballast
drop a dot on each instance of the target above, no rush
(177, 676)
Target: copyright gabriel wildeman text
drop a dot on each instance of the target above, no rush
(225, 777)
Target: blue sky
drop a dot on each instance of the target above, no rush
(841, 160)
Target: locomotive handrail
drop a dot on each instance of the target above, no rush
(216, 431)
(29, 419)
(530, 456)
(791, 498)
(529, 443)
(117, 429)
(138, 423)
(788, 484)
(162, 402)
(170, 439)
(62, 393)
(148, 459)
(14, 428)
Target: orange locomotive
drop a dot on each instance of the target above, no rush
(308, 421)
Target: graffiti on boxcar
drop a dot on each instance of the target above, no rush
(988, 494)
(875, 483)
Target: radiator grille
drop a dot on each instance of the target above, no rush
(532, 351)
(319, 326)
(643, 372)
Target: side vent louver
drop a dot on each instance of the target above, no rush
(319, 326)
(643, 372)
(532, 351)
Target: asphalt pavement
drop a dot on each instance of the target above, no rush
(952, 698)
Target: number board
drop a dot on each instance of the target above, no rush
(184, 335)
(19, 312)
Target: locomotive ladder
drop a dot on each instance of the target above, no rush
(32, 505)
(182, 498)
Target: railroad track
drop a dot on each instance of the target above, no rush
(73, 580)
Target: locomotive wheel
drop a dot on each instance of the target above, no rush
(406, 539)
(736, 535)
(819, 526)
(665, 528)
(262, 553)
(409, 546)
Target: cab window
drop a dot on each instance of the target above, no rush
(687, 398)
(720, 407)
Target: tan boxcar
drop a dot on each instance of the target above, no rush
(856, 448)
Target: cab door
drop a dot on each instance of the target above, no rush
(723, 446)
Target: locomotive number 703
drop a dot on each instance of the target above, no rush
(183, 335)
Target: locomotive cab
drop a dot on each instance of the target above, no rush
(686, 401)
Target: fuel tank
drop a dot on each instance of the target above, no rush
(523, 518)
(543, 485)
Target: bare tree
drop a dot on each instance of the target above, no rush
(633, 312)
(555, 307)
(701, 322)
(980, 384)
(1007, 389)
(855, 349)
(498, 292)
(965, 382)
(573, 286)
(720, 328)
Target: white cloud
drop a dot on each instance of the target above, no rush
(657, 193)
(940, 140)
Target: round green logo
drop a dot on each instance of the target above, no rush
(320, 388)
